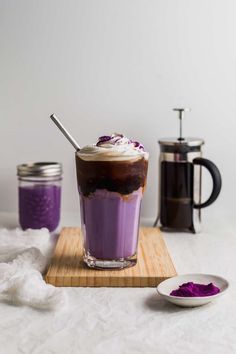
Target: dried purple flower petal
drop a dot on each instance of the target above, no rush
(103, 139)
(136, 143)
(117, 139)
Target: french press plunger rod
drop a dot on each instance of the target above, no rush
(181, 116)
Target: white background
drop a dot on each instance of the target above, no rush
(115, 65)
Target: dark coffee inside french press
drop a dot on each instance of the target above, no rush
(180, 182)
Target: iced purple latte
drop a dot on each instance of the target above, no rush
(111, 178)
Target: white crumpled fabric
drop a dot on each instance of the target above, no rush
(24, 256)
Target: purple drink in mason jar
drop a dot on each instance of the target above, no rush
(39, 195)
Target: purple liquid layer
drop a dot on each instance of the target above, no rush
(39, 206)
(110, 223)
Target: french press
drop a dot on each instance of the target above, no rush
(180, 175)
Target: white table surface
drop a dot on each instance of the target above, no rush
(132, 320)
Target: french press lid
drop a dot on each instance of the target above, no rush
(181, 144)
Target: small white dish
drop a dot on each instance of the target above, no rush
(164, 289)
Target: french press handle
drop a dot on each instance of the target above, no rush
(216, 177)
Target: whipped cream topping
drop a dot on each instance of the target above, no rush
(113, 147)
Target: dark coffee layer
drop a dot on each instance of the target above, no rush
(123, 177)
(176, 195)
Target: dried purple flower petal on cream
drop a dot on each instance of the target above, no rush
(118, 139)
(103, 139)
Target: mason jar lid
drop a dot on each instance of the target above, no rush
(40, 169)
(191, 142)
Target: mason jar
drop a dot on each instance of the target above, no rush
(39, 195)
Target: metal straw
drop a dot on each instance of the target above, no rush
(65, 132)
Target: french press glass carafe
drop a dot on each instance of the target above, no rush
(180, 182)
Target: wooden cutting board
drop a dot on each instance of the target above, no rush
(68, 269)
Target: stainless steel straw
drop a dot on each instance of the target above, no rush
(65, 132)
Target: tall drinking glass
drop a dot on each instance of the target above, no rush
(110, 191)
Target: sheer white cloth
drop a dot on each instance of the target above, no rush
(24, 256)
